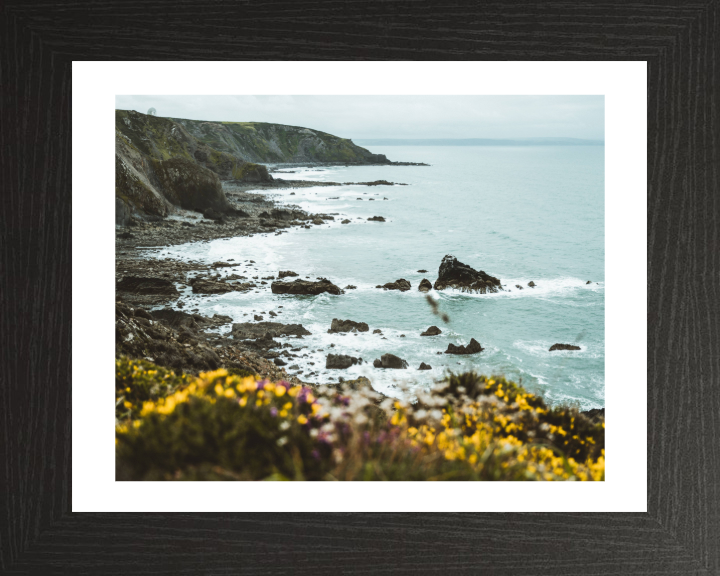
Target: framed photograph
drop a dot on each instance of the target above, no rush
(454, 373)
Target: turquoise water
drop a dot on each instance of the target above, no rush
(518, 213)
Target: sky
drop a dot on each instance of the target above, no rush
(365, 117)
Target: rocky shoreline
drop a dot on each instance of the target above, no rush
(185, 341)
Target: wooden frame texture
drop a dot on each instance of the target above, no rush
(680, 533)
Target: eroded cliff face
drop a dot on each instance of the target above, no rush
(264, 142)
(159, 165)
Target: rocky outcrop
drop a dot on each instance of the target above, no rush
(532, 284)
(424, 366)
(455, 274)
(305, 287)
(203, 286)
(432, 331)
(472, 348)
(341, 361)
(425, 285)
(555, 347)
(287, 273)
(252, 330)
(178, 320)
(347, 326)
(401, 284)
(391, 361)
(147, 286)
(376, 218)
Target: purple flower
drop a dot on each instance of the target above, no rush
(273, 412)
(285, 383)
(315, 454)
(261, 384)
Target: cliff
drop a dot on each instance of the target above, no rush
(165, 162)
(275, 143)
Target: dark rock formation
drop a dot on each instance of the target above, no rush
(341, 361)
(455, 274)
(424, 366)
(249, 330)
(564, 347)
(472, 348)
(300, 287)
(377, 331)
(392, 361)
(532, 284)
(518, 286)
(422, 271)
(425, 285)
(350, 287)
(432, 331)
(346, 221)
(377, 219)
(202, 286)
(286, 273)
(588, 282)
(148, 286)
(347, 326)
(401, 284)
(595, 414)
(377, 363)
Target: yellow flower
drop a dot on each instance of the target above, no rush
(302, 419)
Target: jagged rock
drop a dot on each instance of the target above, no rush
(300, 287)
(377, 363)
(347, 326)
(346, 221)
(518, 286)
(258, 317)
(455, 274)
(377, 331)
(286, 273)
(425, 285)
(201, 286)
(595, 414)
(532, 284)
(392, 361)
(588, 282)
(401, 284)
(472, 348)
(141, 313)
(377, 219)
(340, 361)
(145, 285)
(246, 330)
(422, 271)
(424, 366)
(350, 287)
(564, 347)
(279, 362)
(318, 221)
(432, 331)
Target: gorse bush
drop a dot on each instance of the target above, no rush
(223, 426)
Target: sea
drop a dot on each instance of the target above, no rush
(520, 214)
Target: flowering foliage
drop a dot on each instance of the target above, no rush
(223, 426)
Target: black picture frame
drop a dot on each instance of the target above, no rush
(680, 533)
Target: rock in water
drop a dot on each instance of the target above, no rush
(347, 326)
(422, 271)
(286, 273)
(472, 348)
(564, 347)
(401, 284)
(250, 330)
(588, 282)
(432, 331)
(200, 286)
(455, 274)
(376, 218)
(300, 287)
(532, 284)
(377, 363)
(392, 361)
(340, 361)
(424, 366)
(425, 285)
(144, 285)
(518, 286)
